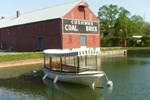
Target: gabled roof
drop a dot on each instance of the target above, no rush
(39, 15)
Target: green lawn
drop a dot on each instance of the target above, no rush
(21, 56)
(36, 55)
(124, 48)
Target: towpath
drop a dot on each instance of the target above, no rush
(20, 62)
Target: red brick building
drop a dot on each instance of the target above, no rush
(68, 26)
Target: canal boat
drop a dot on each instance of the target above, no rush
(65, 66)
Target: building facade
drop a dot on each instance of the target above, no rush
(72, 26)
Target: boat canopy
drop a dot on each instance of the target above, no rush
(68, 53)
(59, 53)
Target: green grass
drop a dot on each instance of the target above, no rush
(124, 48)
(10, 72)
(37, 55)
(22, 56)
(137, 48)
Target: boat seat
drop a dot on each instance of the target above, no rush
(68, 68)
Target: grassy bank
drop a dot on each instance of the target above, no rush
(16, 71)
(124, 48)
(21, 56)
(37, 55)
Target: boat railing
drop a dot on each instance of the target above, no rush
(68, 68)
(71, 61)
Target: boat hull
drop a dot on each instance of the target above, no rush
(84, 78)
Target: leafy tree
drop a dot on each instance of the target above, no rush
(114, 19)
(122, 22)
(146, 28)
(108, 15)
(137, 27)
(118, 21)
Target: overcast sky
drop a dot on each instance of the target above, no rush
(136, 7)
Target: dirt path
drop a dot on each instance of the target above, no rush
(21, 62)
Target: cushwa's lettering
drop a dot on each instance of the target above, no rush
(80, 26)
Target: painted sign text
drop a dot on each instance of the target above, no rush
(79, 26)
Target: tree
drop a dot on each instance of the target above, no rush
(114, 19)
(107, 15)
(122, 22)
(146, 28)
(137, 25)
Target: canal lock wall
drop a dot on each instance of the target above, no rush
(123, 52)
(113, 53)
(130, 52)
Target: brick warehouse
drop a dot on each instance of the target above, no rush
(68, 26)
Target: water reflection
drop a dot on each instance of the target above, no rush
(130, 76)
(20, 89)
(30, 86)
(71, 92)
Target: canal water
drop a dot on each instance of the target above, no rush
(130, 76)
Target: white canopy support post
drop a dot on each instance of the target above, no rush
(74, 61)
(61, 63)
(65, 60)
(44, 76)
(96, 61)
(50, 63)
(78, 64)
(56, 78)
(86, 60)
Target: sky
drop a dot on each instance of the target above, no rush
(136, 7)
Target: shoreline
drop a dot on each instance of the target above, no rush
(40, 61)
(102, 54)
(20, 63)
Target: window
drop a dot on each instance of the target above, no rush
(82, 40)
